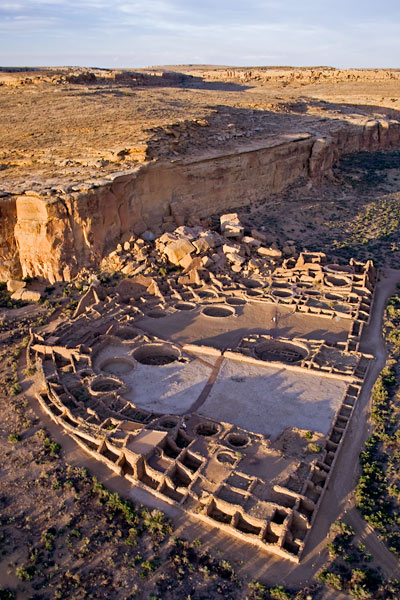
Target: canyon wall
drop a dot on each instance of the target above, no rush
(55, 236)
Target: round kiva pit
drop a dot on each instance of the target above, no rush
(339, 269)
(156, 313)
(238, 440)
(226, 459)
(168, 422)
(102, 385)
(281, 284)
(206, 294)
(126, 334)
(156, 354)
(282, 293)
(335, 281)
(236, 301)
(253, 292)
(279, 351)
(117, 366)
(330, 296)
(218, 311)
(303, 285)
(252, 283)
(85, 373)
(207, 429)
(184, 306)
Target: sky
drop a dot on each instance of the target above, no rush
(140, 33)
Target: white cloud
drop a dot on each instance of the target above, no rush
(183, 31)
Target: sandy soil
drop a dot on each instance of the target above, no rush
(356, 215)
(59, 134)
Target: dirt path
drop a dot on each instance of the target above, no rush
(340, 492)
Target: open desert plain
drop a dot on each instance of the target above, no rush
(199, 333)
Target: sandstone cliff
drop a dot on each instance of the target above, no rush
(54, 236)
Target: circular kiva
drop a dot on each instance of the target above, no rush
(234, 301)
(184, 306)
(156, 313)
(168, 422)
(238, 440)
(303, 285)
(85, 373)
(281, 284)
(282, 293)
(253, 292)
(218, 310)
(117, 366)
(330, 296)
(280, 351)
(207, 429)
(103, 385)
(156, 354)
(226, 458)
(126, 333)
(252, 283)
(339, 269)
(335, 281)
(206, 294)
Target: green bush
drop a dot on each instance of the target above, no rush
(278, 593)
(6, 594)
(25, 573)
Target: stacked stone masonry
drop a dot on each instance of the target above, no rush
(94, 366)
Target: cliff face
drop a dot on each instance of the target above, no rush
(54, 237)
(9, 255)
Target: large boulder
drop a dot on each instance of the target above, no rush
(231, 226)
(178, 249)
(26, 295)
(15, 285)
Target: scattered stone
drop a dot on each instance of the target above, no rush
(26, 295)
(271, 252)
(178, 249)
(15, 285)
(258, 235)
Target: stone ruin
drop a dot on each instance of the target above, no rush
(198, 383)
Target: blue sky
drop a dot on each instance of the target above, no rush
(139, 33)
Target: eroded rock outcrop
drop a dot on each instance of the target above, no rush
(55, 236)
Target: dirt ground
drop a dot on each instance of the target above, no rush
(357, 215)
(61, 534)
(58, 134)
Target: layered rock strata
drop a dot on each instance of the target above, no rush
(54, 236)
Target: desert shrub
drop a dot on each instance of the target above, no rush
(340, 527)
(258, 590)
(25, 573)
(279, 593)
(6, 594)
(314, 448)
